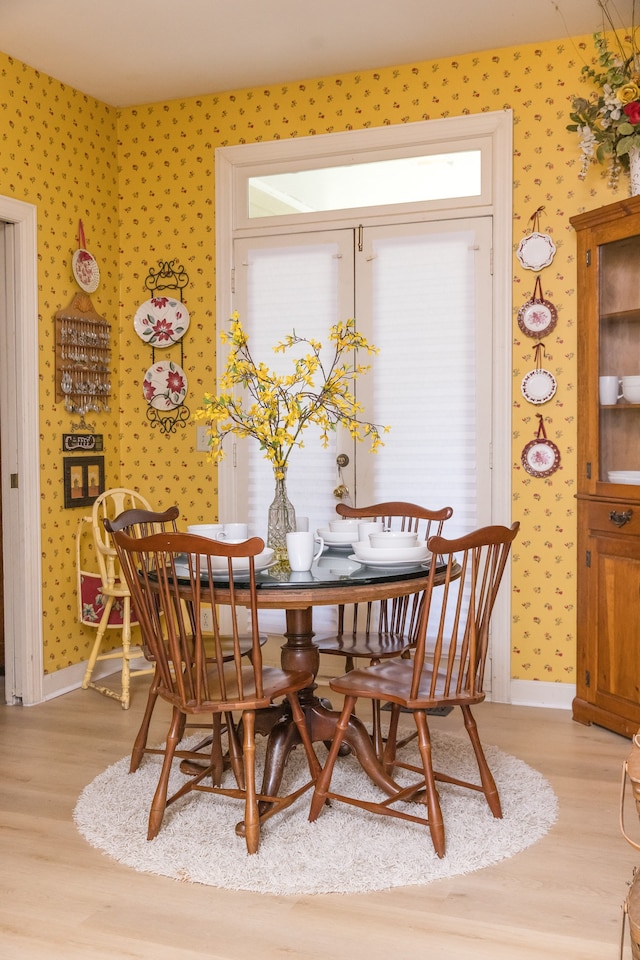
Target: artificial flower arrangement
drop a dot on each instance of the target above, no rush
(275, 409)
(608, 122)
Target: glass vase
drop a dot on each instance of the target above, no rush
(282, 520)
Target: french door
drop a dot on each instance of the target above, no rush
(421, 292)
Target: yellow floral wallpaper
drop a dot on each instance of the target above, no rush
(60, 149)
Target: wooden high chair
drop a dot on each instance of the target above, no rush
(103, 596)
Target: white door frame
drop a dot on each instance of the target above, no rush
(498, 126)
(19, 436)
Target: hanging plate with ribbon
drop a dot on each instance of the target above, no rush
(536, 250)
(541, 457)
(537, 317)
(84, 266)
(539, 385)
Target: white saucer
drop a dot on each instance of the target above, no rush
(388, 563)
(382, 555)
(263, 561)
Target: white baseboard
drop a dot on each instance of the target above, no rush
(538, 693)
(70, 678)
(524, 693)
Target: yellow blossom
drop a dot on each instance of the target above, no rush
(275, 409)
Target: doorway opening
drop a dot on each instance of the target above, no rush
(20, 454)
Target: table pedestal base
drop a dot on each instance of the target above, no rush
(300, 653)
(276, 723)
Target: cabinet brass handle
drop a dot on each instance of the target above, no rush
(620, 518)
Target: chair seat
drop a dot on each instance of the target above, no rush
(369, 646)
(276, 683)
(392, 681)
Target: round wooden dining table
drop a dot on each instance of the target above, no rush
(330, 581)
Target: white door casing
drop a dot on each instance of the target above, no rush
(231, 166)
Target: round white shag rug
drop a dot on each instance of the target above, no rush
(347, 850)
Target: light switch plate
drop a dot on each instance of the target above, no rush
(202, 439)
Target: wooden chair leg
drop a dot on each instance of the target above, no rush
(486, 777)
(389, 755)
(324, 778)
(159, 802)
(235, 750)
(125, 699)
(217, 760)
(251, 812)
(301, 726)
(143, 733)
(434, 812)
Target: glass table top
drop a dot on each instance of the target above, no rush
(334, 567)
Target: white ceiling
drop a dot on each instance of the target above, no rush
(128, 52)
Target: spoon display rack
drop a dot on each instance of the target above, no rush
(83, 358)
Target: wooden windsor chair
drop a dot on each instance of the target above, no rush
(380, 630)
(447, 669)
(142, 523)
(170, 576)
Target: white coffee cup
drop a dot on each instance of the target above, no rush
(210, 530)
(370, 526)
(302, 524)
(233, 532)
(609, 388)
(300, 549)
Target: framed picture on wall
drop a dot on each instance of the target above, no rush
(83, 480)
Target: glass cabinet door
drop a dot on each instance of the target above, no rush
(619, 361)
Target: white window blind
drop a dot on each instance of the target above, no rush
(293, 287)
(431, 381)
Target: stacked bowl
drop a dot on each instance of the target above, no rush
(390, 548)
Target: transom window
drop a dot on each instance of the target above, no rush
(376, 183)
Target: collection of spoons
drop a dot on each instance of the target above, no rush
(84, 352)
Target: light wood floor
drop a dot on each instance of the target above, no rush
(60, 898)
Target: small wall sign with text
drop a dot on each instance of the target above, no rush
(81, 441)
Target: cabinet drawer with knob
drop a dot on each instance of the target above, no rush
(614, 517)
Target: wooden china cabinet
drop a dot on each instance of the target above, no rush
(608, 577)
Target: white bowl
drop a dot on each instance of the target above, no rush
(364, 551)
(624, 476)
(209, 530)
(240, 564)
(333, 539)
(344, 525)
(387, 539)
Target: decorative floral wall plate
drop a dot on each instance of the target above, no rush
(161, 321)
(541, 457)
(165, 385)
(538, 386)
(536, 251)
(84, 266)
(85, 270)
(537, 317)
